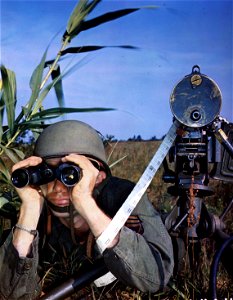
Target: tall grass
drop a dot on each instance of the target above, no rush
(46, 76)
(187, 285)
(137, 155)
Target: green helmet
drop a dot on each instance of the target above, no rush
(70, 136)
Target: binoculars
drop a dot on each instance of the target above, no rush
(67, 173)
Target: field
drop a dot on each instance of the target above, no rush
(132, 158)
(138, 155)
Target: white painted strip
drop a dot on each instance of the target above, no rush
(105, 279)
(130, 203)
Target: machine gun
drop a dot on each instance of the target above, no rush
(204, 139)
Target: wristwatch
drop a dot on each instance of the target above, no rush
(33, 232)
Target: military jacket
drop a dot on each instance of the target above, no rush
(143, 258)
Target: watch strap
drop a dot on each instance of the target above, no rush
(31, 231)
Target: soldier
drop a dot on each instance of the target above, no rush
(56, 220)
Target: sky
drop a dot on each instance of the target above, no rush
(169, 39)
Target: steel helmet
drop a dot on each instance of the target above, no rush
(70, 136)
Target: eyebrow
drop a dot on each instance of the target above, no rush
(53, 161)
(57, 160)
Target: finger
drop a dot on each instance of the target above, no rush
(78, 159)
(28, 162)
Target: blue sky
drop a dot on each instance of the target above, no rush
(138, 83)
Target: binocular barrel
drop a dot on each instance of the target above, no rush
(67, 173)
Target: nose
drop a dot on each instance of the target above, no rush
(59, 186)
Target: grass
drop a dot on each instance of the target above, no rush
(188, 286)
(138, 155)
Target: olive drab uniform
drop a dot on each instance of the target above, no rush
(143, 257)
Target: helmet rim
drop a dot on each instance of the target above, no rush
(70, 136)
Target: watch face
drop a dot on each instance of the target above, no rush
(196, 100)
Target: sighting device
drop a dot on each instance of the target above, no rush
(199, 146)
(195, 103)
(202, 151)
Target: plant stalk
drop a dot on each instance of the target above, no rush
(65, 43)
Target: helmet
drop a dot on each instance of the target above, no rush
(70, 136)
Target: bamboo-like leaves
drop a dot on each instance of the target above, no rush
(4, 170)
(77, 22)
(35, 83)
(58, 111)
(106, 18)
(56, 73)
(38, 119)
(29, 113)
(82, 9)
(2, 109)
(12, 154)
(84, 49)
(3, 201)
(31, 116)
(8, 98)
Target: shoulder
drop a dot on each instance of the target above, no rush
(113, 194)
(119, 184)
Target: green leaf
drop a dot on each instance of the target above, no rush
(19, 153)
(110, 16)
(59, 111)
(11, 154)
(38, 119)
(2, 109)
(3, 201)
(4, 170)
(9, 95)
(56, 73)
(32, 125)
(40, 99)
(83, 49)
(82, 9)
(46, 90)
(35, 83)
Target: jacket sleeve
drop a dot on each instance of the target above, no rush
(143, 261)
(18, 276)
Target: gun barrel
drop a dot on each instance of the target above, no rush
(74, 284)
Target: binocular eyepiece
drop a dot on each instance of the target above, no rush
(67, 173)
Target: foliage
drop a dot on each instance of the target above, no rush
(46, 76)
(33, 118)
(109, 138)
(135, 138)
(187, 285)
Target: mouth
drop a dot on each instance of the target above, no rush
(60, 209)
(60, 201)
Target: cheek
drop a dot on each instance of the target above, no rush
(44, 189)
(48, 188)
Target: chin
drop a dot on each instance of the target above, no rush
(61, 214)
